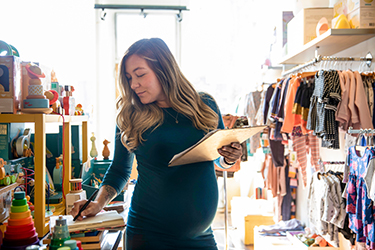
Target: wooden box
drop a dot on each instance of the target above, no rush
(10, 84)
(246, 214)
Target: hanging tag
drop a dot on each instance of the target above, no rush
(293, 157)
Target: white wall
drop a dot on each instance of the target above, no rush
(60, 35)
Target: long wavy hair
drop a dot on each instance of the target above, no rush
(134, 118)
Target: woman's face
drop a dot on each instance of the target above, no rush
(144, 83)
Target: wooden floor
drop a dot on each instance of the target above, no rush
(234, 241)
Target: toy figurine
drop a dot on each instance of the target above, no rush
(36, 101)
(79, 110)
(105, 152)
(93, 152)
(54, 102)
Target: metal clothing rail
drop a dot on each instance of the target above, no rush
(368, 59)
(360, 131)
(140, 7)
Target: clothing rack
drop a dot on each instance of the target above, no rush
(318, 58)
(336, 166)
(360, 131)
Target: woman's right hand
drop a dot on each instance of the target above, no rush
(91, 210)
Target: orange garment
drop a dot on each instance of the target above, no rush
(291, 119)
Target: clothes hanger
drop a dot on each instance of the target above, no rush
(368, 73)
(359, 138)
(306, 74)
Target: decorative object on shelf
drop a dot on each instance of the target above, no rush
(54, 82)
(10, 79)
(21, 144)
(71, 244)
(7, 49)
(95, 181)
(60, 234)
(54, 103)
(340, 22)
(322, 26)
(68, 100)
(76, 193)
(79, 110)
(57, 173)
(75, 185)
(36, 101)
(20, 231)
(7, 176)
(105, 152)
(93, 151)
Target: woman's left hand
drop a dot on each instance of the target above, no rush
(231, 152)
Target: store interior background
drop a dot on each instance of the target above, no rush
(223, 45)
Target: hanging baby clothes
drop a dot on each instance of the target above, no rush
(260, 114)
(276, 146)
(302, 103)
(361, 103)
(326, 208)
(281, 112)
(286, 207)
(274, 180)
(253, 101)
(303, 145)
(343, 112)
(367, 84)
(326, 97)
(359, 207)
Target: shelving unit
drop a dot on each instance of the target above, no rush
(329, 43)
(40, 121)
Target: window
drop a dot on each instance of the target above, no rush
(131, 27)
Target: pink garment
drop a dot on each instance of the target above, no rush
(302, 145)
(343, 112)
(362, 104)
(354, 117)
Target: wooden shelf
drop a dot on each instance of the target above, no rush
(329, 43)
(40, 120)
(4, 189)
(10, 118)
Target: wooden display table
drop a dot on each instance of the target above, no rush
(271, 242)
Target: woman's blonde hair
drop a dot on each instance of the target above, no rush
(134, 118)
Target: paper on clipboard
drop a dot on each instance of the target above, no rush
(206, 148)
(102, 220)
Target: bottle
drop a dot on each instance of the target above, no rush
(72, 244)
(60, 234)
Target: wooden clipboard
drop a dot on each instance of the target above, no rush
(206, 148)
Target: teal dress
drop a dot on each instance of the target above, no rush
(171, 207)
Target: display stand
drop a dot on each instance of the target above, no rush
(226, 227)
(40, 120)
